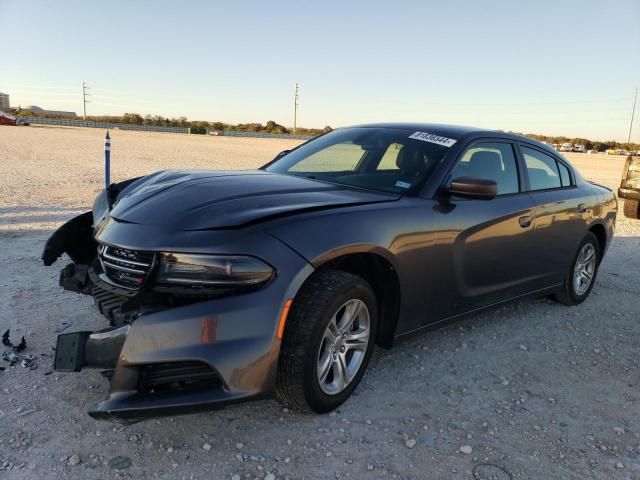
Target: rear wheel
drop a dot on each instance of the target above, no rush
(328, 340)
(632, 209)
(582, 274)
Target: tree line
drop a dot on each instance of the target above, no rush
(196, 126)
(588, 144)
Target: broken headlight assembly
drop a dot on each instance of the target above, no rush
(212, 272)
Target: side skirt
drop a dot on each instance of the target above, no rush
(448, 320)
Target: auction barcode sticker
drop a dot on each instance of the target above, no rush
(433, 138)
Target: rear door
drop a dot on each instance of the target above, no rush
(490, 255)
(561, 210)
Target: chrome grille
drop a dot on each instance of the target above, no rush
(124, 267)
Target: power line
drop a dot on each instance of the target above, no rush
(84, 100)
(295, 109)
(633, 114)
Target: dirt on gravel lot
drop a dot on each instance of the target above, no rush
(533, 390)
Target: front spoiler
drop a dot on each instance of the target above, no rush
(130, 407)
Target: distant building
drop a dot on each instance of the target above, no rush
(4, 101)
(40, 111)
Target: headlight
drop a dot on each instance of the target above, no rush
(212, 270)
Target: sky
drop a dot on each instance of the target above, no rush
(553, 67)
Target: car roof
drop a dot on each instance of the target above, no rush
(459, 132)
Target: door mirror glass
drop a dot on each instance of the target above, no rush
(471, 187)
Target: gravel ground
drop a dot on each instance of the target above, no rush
(533, 390)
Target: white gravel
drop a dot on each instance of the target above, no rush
(566, 406)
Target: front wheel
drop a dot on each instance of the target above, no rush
(328, 340)
(581, 276)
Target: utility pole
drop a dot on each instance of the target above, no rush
(84, 100)
(295, 109)
(633, 114)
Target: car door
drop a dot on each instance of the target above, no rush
(489, 258)
(561, 210)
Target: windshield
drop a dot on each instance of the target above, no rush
(394, 160)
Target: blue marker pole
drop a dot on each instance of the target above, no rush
(107, 160)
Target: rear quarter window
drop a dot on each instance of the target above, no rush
(565, 176)
(542, 170)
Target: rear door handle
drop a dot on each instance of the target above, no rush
(582, 208)
(525, 221)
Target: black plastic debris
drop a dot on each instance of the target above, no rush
(21, 346)
(6, 341)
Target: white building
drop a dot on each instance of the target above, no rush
(57, 113)
(4, 101)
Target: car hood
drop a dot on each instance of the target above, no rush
(200, 200)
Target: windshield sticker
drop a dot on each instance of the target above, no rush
(402, 184)
(432, 138)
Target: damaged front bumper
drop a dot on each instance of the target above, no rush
(182, 360)
(177, 357)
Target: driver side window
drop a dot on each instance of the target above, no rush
(490, 161)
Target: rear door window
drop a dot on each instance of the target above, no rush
(542, 170)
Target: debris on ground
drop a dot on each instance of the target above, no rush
(24, 413)
(6, 341)
(62, 326)
(119, 463)
(29, 362)
(26, 361)
(12, 356)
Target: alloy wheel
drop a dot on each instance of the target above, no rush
(343, 347)
(584, 269)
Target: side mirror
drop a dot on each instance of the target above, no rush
(473, 188)
(281, 154)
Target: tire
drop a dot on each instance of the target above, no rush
(319, 302)
(632, 209)
(569, 294)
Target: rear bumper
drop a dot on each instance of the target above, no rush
(628, 194)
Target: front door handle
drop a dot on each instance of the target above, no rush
(582, 208)
(525, 221)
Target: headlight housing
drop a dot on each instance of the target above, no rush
(212, 271)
